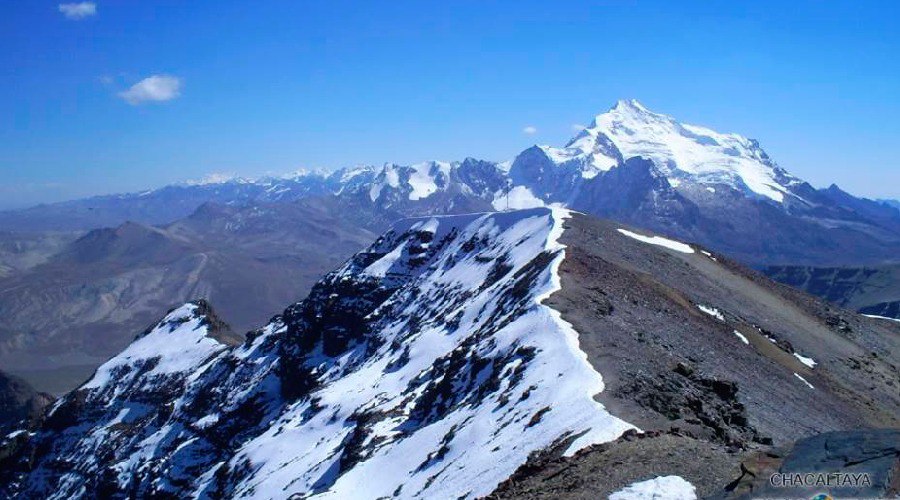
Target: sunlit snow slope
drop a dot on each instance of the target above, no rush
(425, 367)
(684, 153)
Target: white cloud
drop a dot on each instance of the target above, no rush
(577, 127)
(529, 130)
(78, 11)
(156, 88)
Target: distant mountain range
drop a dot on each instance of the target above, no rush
(75, 275)
(61, 318)
(893, 203)
(495, 339)
(631, 164)
(459, 356)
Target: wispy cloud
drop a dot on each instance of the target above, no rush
(77, 11)
(530, 130)
(156, 88)
(577, 127)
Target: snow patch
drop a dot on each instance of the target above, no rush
(803, 380)
(881, 317)
(805, 360)
(712, 311)
(710, 255)
(659, 241)
(582, 153)
(380, 267)
(428, 226)
(15, 434)
(207, 421)
(423, 178)
(658, 488)
(742, 337)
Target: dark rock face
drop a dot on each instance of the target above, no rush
(875, 452)
(636, 193)
(708, 407)
(869, 290)
(884, 309)
(548, 181)
(883, 214)
(480, 177)
(18, 402)
(855, 464)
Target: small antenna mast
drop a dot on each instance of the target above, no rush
(508, 189)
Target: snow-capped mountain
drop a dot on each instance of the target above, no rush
(683, 153)
(722, 190)
(630, 163)
(449, 354)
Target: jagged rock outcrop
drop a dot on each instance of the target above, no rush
(19, 403)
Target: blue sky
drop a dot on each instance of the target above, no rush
(261, 87)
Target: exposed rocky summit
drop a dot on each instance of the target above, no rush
(19, 403)
(855, 464)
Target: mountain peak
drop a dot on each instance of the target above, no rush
(684, 152)
(179, 343)
(631, 105)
